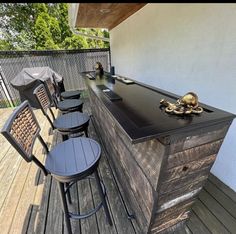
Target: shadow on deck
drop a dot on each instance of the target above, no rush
(30, 202)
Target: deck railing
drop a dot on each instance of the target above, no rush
(68, 63)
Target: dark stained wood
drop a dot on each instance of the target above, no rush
(113, 195)
(189, 168)
(129, 197)
(193, 154)
(170, 223)
(172, 213)
(199, 176)
(177, 193)
(156, 183)
(141, 118)
(91, 15)
(179, 228)
(202, 137)
(31, 211)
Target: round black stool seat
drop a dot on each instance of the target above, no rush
(73, 159)
(71, 122)
(74, 94)
(70, 104)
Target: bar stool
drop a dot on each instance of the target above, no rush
(68, 162)
(68, 105)
(72, 94)
(67, 124)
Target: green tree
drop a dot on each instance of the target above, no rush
(42, 26)
(75, 42)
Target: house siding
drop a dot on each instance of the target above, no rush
(181, 48)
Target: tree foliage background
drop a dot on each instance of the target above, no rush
(42, 26)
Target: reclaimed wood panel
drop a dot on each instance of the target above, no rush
(132, 171)
(193, 154)
(170, 171)
(188, 168)
(179, 192)
(201, 137)
(131, 201)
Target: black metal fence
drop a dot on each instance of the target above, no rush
(68, 63)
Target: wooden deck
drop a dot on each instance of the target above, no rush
(30, 203)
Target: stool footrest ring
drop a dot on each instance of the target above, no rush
(91, 212)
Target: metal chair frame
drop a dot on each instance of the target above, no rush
(18, 128)
(45, 105)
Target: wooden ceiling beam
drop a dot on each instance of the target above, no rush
(105, 15)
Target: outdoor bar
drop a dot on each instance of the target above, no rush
(160, 160)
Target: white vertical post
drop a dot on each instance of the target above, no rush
(5, 88)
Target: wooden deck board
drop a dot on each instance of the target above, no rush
(29, 201)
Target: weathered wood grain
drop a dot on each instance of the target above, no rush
(170, 223)
(179, 228)
(55, 215)
(88, 225)
(120, 220)
(206, 135)
(35, 206)
(157, 175)
(42, 196)
(177, 193)
(197, 177)
(131, 169)
(193, 154)
(131, 202)
(188, 168)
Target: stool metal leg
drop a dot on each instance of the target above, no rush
(102, 197)
(86, 132)
(64, 137)
(68, 193)
(65, 207)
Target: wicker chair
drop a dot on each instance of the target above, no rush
(72, 94)
(67, 124)
(68, 162)
(65, 106)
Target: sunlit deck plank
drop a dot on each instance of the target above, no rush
(30, 201)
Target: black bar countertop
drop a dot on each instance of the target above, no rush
(139, 113)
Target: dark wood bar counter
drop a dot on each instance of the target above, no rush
(160, 160)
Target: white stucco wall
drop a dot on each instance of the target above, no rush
(181, 48)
